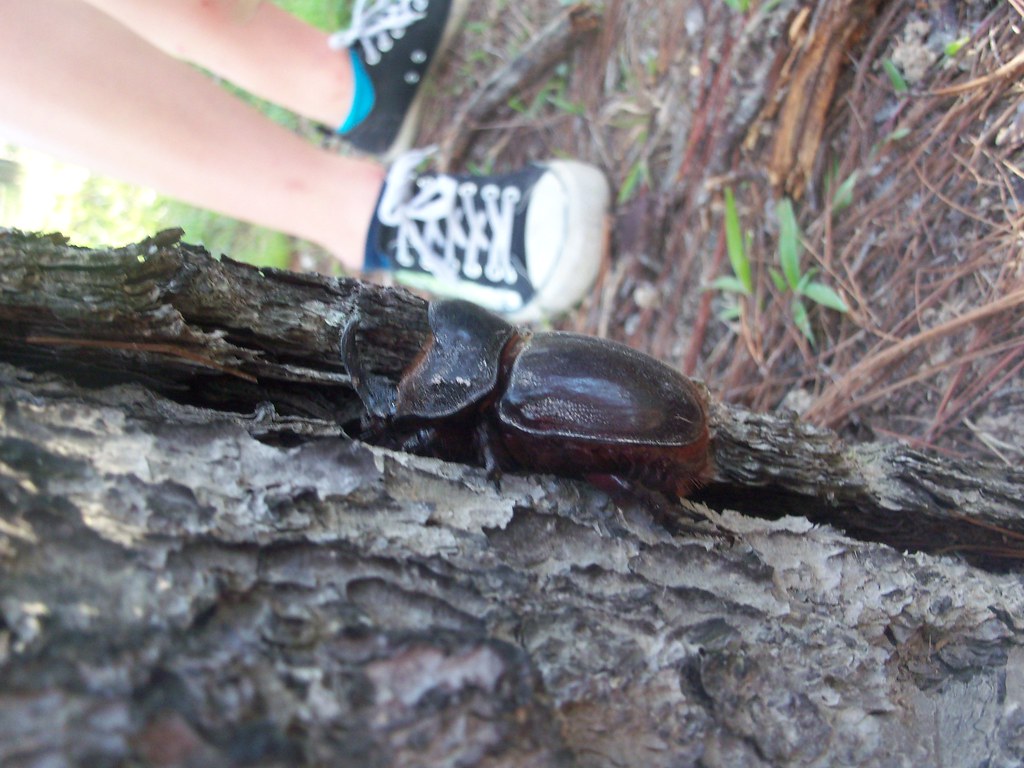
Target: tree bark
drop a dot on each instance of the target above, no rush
(198, 567)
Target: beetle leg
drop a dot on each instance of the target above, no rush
(663, 508)
(492, 452)
(423, 442)
(486, 450)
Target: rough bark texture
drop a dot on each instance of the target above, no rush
(198, 568)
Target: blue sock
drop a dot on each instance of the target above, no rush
(363, 97)
(374, 258)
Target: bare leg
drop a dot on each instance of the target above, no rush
(252, 43)
(82, 85)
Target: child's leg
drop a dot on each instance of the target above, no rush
(252, 43)
(369, 89)
(77, 83)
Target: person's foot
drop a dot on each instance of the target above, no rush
(527, 244)
(394, 45)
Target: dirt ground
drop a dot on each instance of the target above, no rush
(679, 101)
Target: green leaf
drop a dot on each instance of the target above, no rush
(516, 104)
(730, 313)
(826, 296)
(730, 284)
(734, 243)
(637, 174)
(789, 242)
(740, 6)
(805, 279)
(843, 198)
(952, 49)
(895, 76)
(896, 135)
(803, 322)
(778, 279)
(569, 107)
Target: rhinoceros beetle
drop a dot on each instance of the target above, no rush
(482, 391)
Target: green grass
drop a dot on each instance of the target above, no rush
(793, 278)
(741, 281)
(789, 279)
(899, 84)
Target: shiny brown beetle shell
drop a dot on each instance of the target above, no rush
(561, 403)
(576, 405)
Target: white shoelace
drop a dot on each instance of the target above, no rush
(441, 215)
(377, 26)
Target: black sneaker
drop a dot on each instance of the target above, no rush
(398, 41)
(527, 244)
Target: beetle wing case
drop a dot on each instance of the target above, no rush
(458, 367)
(579, 387)
(581, 406)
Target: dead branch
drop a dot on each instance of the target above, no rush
(815, 61)
(233, 337)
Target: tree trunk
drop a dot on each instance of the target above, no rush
(198, 567)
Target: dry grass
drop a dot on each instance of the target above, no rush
(676, 102)
(935, 260)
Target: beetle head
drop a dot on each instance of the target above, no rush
(458, 367)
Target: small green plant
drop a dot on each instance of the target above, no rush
(843, 197)
(740, 6)
(553, 93)
(899, 84)
(741, 281)
(639, 174)
(802, 284)
(841, 193)
(953, 48)
(897, 134)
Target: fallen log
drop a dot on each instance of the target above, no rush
(198, 566)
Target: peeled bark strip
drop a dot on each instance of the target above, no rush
(812, 73)
(890, 493)
(167, 301)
